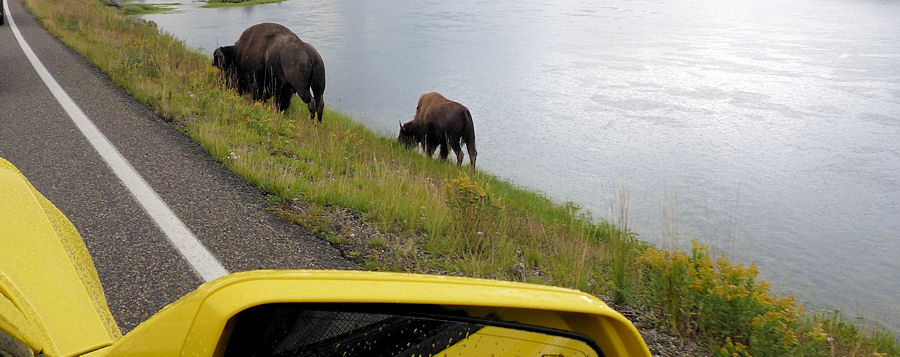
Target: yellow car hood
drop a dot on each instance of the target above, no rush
(193, 325)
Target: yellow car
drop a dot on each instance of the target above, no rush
(51, 303)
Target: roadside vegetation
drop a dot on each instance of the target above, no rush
(228, 3)
(433, 217)
(141, 9)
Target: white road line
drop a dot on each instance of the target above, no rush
(203, 262)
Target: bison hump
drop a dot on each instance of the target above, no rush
(259, 37)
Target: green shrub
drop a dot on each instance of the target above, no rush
(475, 212)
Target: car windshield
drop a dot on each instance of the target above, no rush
(354, 330)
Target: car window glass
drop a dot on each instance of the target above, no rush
(298, 330)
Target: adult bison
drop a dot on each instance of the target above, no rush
(273, 62)
(440, 122)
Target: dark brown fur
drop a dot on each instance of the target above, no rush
(273, 61)
(225, 59)
(441, 122)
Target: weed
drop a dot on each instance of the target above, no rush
(72, 25)
(274, 199)
(845, 339)
(377, 242)
(314, 219)
(475, 213)
(371, 265)
(333, 238)
(622, 252)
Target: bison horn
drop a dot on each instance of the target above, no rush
(401, 124)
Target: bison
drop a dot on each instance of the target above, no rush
(440, 122)
(225, 59)
(271, 61)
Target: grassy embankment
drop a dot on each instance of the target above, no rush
(229, 3)
(438, 218)
(141, 9)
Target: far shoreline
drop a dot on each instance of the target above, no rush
(225, 3)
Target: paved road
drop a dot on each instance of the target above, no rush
(140, 270)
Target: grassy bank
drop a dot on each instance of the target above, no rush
(436, 218)
(141, 9)
(229, 3)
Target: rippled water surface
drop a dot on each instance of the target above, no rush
(770, 129)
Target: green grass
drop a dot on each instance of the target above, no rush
(141, 9)
(446, 221)
(229, 3)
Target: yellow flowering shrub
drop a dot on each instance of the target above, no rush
(720, 301)
(474, 210)
(733, 349)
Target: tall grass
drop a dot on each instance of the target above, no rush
(473, 225)
(230, 3)
(623, 249)
(140, 9)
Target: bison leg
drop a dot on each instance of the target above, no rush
(284, 97)
(312, 108)
(320, 105)
(310, 102)
(241, 83)
(429, 148)
(256, 85)
(454, 144)
(445, 145)
(256, 91)
(444, 151)
(432, 141)
(260, 92)
(294, 77)
(470, 147)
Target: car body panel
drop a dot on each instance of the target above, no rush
(194, 324)
(509, 342)
(47, 274)
(14, 323)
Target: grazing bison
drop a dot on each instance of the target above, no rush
(225, 59)
(274, 62)
(440, 121)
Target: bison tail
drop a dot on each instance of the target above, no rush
(469, 132)
(469, 137)
(317, 73)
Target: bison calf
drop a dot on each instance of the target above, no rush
(440, 122)
(225, 59)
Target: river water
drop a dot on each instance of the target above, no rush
(768, 129)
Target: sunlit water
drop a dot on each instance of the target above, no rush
(769, 129)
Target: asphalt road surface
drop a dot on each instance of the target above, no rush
(140, 269)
